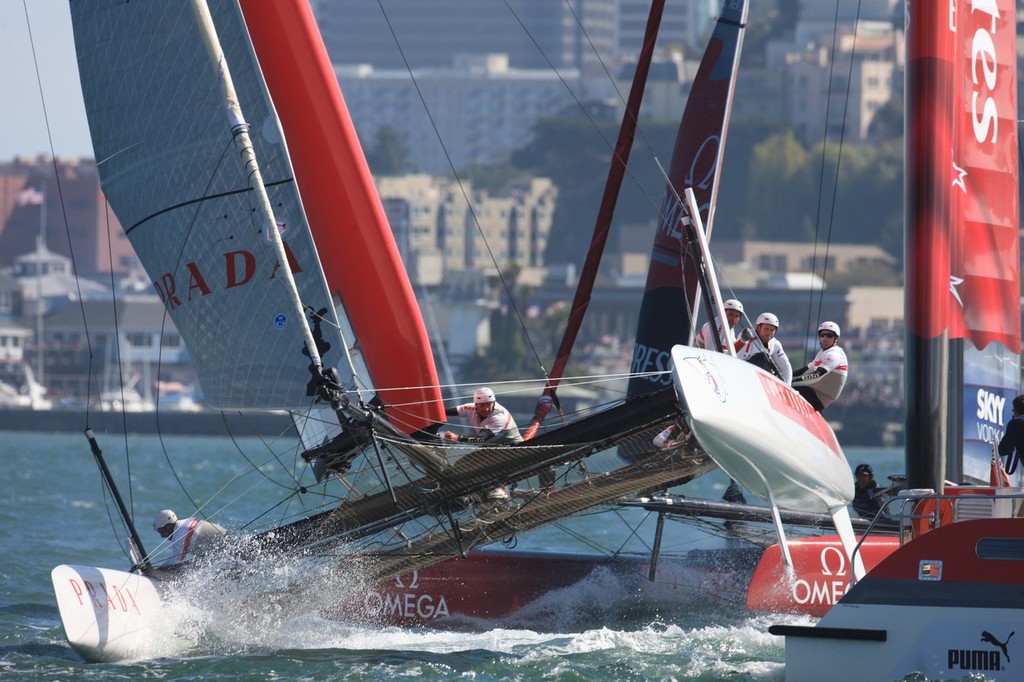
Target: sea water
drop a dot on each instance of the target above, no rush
(54, 510)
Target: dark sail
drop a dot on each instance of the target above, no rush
(666, 317)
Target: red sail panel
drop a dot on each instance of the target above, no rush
(357, 250)
(987, 260)
(671, 288)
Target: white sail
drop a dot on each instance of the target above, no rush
(170, 171)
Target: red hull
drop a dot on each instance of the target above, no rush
(549, 589)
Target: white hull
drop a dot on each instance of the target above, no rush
(761, 432)
(938, 641)
(108, 615)
(947, 604)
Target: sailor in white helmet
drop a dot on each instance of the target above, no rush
(489, 420)
(821, 382)
(766, 351)
(733, 312)
(189, 537)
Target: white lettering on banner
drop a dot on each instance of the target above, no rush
(647, 359)
(990, 406)
(988, 433)
(984, 67)
(407, 605)
(833, 563)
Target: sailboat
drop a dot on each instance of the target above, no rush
(947, 602)
(265, 263)
(260, 229)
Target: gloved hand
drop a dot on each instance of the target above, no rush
(746, 334)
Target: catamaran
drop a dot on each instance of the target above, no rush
(246, 196)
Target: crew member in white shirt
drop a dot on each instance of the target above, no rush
(733, 312)
(188, 537)
(765, 351)
(821, 382)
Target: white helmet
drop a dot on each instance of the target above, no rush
(483, 395)
(829, 327)
(768, 318)
(733, 304)
(163, 518)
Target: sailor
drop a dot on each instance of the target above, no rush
(868, 497)
(490, 421)
(189, 537)
(1011, 445)
(765, 351)
(733, 313)
(670, 437)
(821, 382)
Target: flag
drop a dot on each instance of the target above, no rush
(998, 478)
(30, 196)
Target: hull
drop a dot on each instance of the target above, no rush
(782, 448)
(947, 604)
(550, 590)
(108, 615)
(821, 574)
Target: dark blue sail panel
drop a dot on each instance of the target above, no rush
(672, 278)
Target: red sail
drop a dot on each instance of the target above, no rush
(357, 249)
(671, 289)
(985, 269)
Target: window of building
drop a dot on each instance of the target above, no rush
(139, 339)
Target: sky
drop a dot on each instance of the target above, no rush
(24, 129)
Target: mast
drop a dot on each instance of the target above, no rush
(358, 254)
(240, 134)
(108, 478)
(616, 171)
(930, 71)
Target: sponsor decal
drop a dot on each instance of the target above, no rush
(929, 569)
(790, 405)
(402, 603)
(238, 268)
(981, 659)
(99, 597)
(650, 359)
(829, 586)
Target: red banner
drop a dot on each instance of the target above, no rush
(985, 263)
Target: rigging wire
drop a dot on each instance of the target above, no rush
(74, 264)
(821, 172)
(462, 187)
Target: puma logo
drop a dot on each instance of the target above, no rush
(989, 638)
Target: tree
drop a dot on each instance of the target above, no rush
(389, 154)
(777, 191)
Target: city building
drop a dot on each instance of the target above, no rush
(444, 227)
(60, 200)
(476, 110)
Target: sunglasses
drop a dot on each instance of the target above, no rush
(826, 335)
